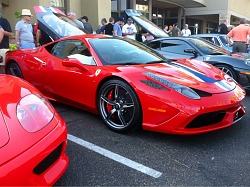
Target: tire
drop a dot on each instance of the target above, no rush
(119, 106)
(228, 70)
(14, 69)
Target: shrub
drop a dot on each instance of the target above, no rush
(13, 47)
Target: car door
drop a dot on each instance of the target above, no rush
(69, 83)
(174, 48)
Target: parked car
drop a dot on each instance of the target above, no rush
(236, 66)
(130, 85)
(33, 136)
(218, 39)
(194, 48)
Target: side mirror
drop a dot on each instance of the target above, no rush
(191, 51)
(72, 62)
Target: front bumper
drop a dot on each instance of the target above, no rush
(20, 170)
(175, 115)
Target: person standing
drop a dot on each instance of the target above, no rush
(23, 28)
(239, 35)
(86, 25)
(72, 15)
(109, 27)
(170, 30)
(229, 28)
(223, 27)
(175, 30)
(129, 30)
(117, 31)
(4, 45)
(186, 31)
(42, 37)
(166, 28)
(104, 23)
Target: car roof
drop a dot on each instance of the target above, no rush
(170, 38)
(212, 34)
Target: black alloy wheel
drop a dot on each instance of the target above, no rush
(14, 69)
(228, 70)
(119, 106)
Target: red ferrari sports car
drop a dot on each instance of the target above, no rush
(32, 136)
(127, 83)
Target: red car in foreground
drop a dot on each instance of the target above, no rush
(127, 83)
(32, 136)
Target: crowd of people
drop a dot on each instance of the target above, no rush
(25, 39)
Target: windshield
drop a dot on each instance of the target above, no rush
(62, 25)
(116, 50)
(207, 47)
(149, 26)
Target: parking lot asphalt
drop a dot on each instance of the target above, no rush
(218, 158)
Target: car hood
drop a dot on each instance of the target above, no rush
(145, 24)
(4, 133)
(244, 56)
(191, 73)
(54, 22)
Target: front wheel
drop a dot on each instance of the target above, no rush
(228, 70)
(119, 106)
(14, 69)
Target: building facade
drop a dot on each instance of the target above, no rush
(204, 14)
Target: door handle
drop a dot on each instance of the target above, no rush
(44, 64)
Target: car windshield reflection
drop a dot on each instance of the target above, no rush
(150, 26)
(207, 47)
(62, 25)
(122, 51)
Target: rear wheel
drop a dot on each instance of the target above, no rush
(119, 106)
(228, 70)
(14, 69)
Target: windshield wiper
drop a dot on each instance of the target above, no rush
(127, 63)
(158, 61)
(216, 54)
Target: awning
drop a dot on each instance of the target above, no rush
(187, 3)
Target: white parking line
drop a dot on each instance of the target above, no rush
(116, 157)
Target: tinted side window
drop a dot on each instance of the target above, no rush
(73, 49)
(175, 46)
(208, 38)
(50, 47)
(155, 45)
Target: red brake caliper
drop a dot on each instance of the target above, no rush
(109, 107)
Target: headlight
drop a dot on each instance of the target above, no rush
(247, 63)
(34, 112)
(184, 90)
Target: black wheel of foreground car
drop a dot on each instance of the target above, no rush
(119, 106)
(14, 69)
(228, 70)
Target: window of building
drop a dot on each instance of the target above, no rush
(115, 15)
(60, 4)
(118, 8)
(114, 5)
(154, 10)
(123, 4)
(212, 27)
(171, 13)
(142, 5)
(160, 13)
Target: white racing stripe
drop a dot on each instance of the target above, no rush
(139, 167)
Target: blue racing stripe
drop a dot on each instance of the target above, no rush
(201, 76)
